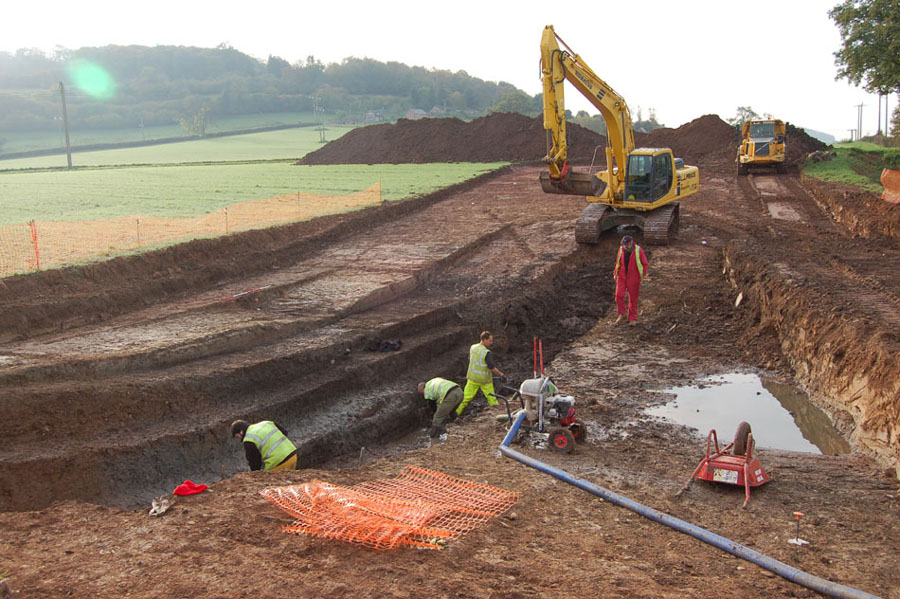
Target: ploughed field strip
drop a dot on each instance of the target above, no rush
(157, 387)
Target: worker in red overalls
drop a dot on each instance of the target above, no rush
(631, 269)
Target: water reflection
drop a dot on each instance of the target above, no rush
(781, 416)
(813, 423)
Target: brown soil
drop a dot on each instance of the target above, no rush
(500, 137)
(510, 137)
(118, 381)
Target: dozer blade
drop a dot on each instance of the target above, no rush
(578, 184)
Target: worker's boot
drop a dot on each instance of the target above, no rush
(436, 431)
(619, 319)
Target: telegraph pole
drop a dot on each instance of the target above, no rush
(859, 121)
(62, 93)
(879, 115)
(886, 128)
(320, 114)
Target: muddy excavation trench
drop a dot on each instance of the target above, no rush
(119, 380)
(137, 401)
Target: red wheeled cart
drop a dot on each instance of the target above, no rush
(733, 464)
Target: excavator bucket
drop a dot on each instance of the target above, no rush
(578, 184)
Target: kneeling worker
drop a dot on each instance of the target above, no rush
(447, 396)
(266, 445)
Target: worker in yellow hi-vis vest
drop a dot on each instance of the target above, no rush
(446, 395)
(480, 373)
(266, 445)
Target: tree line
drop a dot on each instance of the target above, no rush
(163, 85)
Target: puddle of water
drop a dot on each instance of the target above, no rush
(780, 416)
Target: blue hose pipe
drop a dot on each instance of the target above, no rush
(790, 573)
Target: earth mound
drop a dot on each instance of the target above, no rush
(709, 134)
(499, 137)
(692, 141)
(800, 144)
(512, 137)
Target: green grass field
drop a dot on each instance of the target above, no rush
(271, 145)
(41, 140)
(858, 164)
(194, 178)
(194, 190)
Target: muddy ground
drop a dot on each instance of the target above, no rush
(118, 381)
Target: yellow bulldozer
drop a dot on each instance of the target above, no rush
(762, 145)
(639, 187)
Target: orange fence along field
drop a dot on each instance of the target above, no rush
(39, 245)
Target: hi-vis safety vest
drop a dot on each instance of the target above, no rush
(273, 446)
(478, 370)
(437, 388)
(637, 259)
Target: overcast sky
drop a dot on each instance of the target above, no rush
(683, 59)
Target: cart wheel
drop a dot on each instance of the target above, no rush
(740, 439)
(562, 440)
(579, 431)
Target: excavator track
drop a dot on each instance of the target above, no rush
(661, 225)
(588, 227)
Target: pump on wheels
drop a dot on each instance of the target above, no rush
(546, 409)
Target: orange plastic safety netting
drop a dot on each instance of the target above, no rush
(39, 245)
(419, 507)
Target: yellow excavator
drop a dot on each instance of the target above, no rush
(640, 186)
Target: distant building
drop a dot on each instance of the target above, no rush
(374, 116)
(414, 114)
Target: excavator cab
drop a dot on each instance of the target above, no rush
(648, 176)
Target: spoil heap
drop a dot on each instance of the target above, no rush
(692, 141)
(800, 145)
(511, 137)
(499, 137)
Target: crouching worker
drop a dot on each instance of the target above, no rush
(266, 445)
(446, 395)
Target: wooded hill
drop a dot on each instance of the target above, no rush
(163, 85)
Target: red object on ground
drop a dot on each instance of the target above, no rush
(891, 181)
(721, 466)
(189, 488)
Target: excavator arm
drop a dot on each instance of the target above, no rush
(559, 65)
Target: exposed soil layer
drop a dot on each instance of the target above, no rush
(118, 381)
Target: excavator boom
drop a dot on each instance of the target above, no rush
(559, 66)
